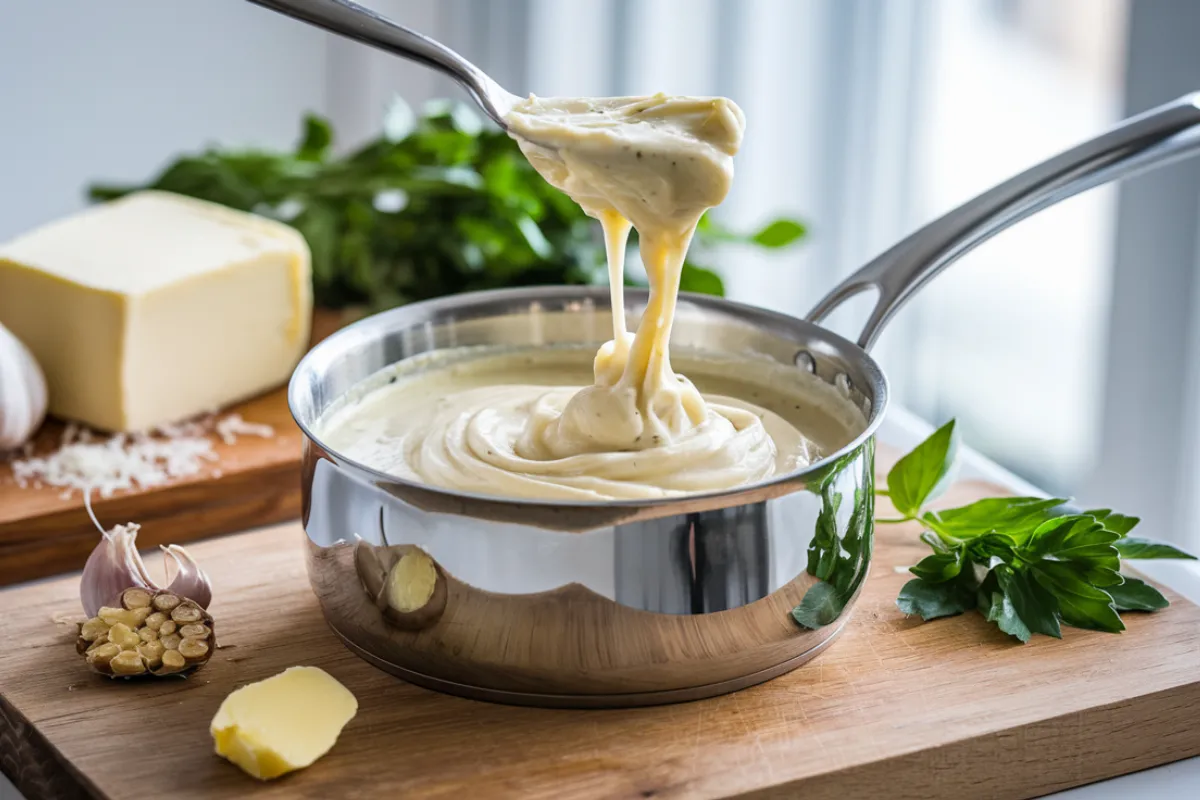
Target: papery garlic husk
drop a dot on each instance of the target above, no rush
(23, 393)
(190, 580)
(115, 565)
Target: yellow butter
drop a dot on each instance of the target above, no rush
(157, 307)
(283, 723)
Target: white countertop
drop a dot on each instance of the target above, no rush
(1180, 779)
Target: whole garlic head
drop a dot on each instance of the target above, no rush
(22, 392)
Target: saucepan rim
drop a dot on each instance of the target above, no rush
(374, 326)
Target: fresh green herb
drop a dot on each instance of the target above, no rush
(435, 206)
(1020, 561)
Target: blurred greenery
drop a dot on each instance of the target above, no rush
(438, 204)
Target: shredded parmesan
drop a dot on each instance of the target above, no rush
(234, 426)
(132, 461)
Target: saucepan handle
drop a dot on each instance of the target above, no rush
(1158, 137)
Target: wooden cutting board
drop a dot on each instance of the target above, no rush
(896, 709)
(255, 481)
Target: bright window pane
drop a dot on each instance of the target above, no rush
(1011, 339)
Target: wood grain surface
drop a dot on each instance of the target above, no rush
(253, 482)
(896, 708)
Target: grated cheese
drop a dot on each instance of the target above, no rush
(234, 426)
(131, 461)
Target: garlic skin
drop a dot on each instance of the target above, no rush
(115, 565)
(190, 581)
(22, 392)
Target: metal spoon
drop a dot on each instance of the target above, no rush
(364, 25)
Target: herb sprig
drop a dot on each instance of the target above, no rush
(1025, 563)
(437, 205)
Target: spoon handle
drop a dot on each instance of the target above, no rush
(1160, 136)
(361, 24)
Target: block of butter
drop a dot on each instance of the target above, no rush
(283, 723)
(156, 307)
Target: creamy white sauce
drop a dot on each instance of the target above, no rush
(639, 430)
(455, 419)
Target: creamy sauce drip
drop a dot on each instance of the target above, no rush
(639, 430)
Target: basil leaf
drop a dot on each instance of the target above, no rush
(820, 606)
(997, 607)
(1079, 603)
(922, 474)
(1080, 540)
(317, 137)
(1137, 595)
(983, 549)
(1032, 604)
(935, 543)
(939, 567)
(700, 280)
(1132, 547)
(934, 600)
(1119, 523)
(780, 233)
(1014, 515)
(318, 225)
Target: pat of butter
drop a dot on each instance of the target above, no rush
(282, 723)
(157, 307)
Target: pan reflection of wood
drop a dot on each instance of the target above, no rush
(567, 641)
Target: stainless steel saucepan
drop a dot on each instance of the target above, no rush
(641, 602)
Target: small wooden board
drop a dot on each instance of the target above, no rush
(255, 481)
(896, 708)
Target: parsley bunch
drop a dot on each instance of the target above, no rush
(1028, 564)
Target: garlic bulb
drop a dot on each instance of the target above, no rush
(115, 565)
(22, 392)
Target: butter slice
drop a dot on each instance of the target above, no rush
(157, 307)
(282, 723)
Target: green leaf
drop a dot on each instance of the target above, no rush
(1079, 603)
(399, 121)
(1016, 516)
(318, 224)
(1118, 523)
(935, 543)
(1132, 547)
(934, 600)
(701, 281)
(1031, 603)
(922, 474)
(318, 136)
(997, 607)
(534, 237)
(1080, 540)
(1136, 595)
(939, 567)
(780, 233)
(820, 606)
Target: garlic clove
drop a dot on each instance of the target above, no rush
(190, 580)
(23, 393)
(115, 566)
